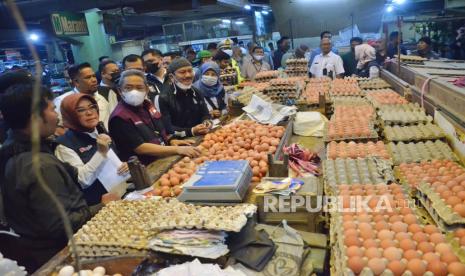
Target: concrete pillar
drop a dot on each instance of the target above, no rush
(96, 44)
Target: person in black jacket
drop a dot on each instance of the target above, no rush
(29, 210)
(155, 73)
(182, 104)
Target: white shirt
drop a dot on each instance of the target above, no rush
(112, 98)
(330, 62)
(103, 106)
(215, 102)
(88, 172)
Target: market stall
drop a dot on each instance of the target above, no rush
(377, 145)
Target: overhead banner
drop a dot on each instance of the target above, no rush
(69, 24)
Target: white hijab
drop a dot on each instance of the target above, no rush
(364, 53)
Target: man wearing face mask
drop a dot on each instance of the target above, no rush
(110, 75)
(138, 128)
(183, 105)
(256, 64)
(202, 57)
(225, 46)
(155, 73)
(283, 46)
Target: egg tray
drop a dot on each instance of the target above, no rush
(441, 212)
(365, 170)
(349, 100)
(411, 59)
(412, 133)
(384, 97)
(360, 150)
(420, 151)
(296, 72)
(455, 243)
(376, 83)
(266, 76)
(373, 137)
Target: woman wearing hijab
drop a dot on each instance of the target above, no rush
(366, 57)
(83, 147)
(212, 89)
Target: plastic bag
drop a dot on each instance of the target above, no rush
(310, 124)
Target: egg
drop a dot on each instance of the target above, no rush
(354, 251)
(411, 254)
(425, 247)
(437, 267)
(356, 264)
(420, 237)
(66, 271)
(399, 226)
(417, 267)
(430, 256)
(460, 209)
(437, 238)
(410, 219)
(370, 243)
(414, 228)
(456, 269)
(402, 236)
(364, 226)
(462, 241)
(386, 243)
(99, 270)
(453, 200)
(449, 257)
(367, 234)
(397, 267)
(460, 232)
(430, 229)
(352, 240)
(372, 252)
(407, 244)
(443, 248)
(377, 265)
(394, 218)
(392, 253)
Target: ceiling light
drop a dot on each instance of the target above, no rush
(389, 8)
(226, 21)
(33, 37)
(239, 22)
(265, 12)
(400, 2)
(247, 7)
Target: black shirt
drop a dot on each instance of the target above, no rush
(184, 109)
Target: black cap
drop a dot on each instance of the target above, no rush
(15, 77)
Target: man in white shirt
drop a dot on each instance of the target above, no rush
(327, 63)
(84, 81)
(110, 74)
(256, 64)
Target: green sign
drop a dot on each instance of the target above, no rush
(69, 24)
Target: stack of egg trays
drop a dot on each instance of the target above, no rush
(435, 132)
(440, 212)
(336, 243)
(420, 151)
(372, 170)
(372, 137)
(376, 83)
(349, 100)
(419, 115)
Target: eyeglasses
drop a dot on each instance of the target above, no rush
(83, 110)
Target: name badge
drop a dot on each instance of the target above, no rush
(84, 149)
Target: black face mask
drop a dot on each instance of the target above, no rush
(152, 68)
(115, 77)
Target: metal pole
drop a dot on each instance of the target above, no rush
(291, 33)
(399, 26)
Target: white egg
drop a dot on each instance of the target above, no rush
(66, 271)
(99, 270)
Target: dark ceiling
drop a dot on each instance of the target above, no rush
(136, 16)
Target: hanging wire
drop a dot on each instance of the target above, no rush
(35, 132)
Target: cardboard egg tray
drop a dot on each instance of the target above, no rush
(379, 171)
(455, 243)
(420, 151)
(419, 132)
(411, 59)
(349, 100)
(384, 97)
(360, 150)
(442, 214)
(376, 83)
(372, 137)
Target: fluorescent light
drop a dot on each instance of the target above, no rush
(226, 21)
(33, 37)
(247, 7)
(239, 22)
(389, 8)
(265, 12)
(400, 2)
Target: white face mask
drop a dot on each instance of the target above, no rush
(181, 85)
(258, 57)
(229, 52)
(134, 97)
(209, 80)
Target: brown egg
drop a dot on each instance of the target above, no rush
(394, 218)
(397, 267)
(166, 193)
(354, 251)
(370, 234)
(438, 268)
(414, 228)
(430, 256)
(392, 253)
(410, 219)
(456, 268)
(370, 243)
(437, 238)
(460, 233)
(460, 209)
(164, 182)
(443, 248)
(425, 247)
(356, 264)
(386, 243)
(399, 226)
(377, 265)
(430, 229)
(373, 252)
(420, 237)
(351, 232)
(417, 267)
(407, 244)
(364, 226)
(352, 240)
(402, 236)
(411, 254)
(453, 200)
(385, 234)
(449, 257)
